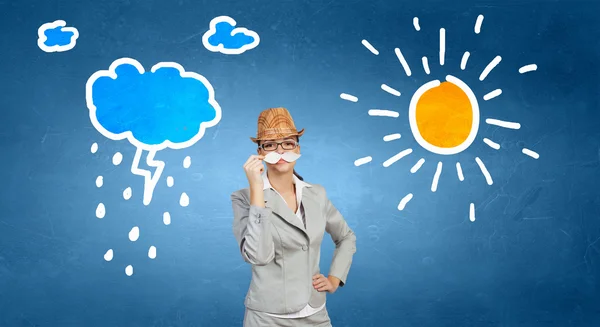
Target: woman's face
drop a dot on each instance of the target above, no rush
(280, 146)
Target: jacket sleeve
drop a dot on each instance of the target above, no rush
(252, 230)
(344, 239)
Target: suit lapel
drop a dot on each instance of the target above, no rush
(278, 206)
(312, 212)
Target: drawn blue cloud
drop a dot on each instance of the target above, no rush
(225, 38)
(56, 37)
(166, 107)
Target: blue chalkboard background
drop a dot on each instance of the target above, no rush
(531, 257)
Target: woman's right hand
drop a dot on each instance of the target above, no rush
(254, 168)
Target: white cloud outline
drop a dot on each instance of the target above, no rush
(128, 134)
(221, 48)
(56, 48)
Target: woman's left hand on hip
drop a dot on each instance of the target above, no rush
(325, 284)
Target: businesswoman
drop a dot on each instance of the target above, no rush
(279, 223)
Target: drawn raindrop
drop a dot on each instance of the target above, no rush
(170, 181)
(99, 181)
(100, 211)
(134, 234)
(108, 255)
(129, 270)
(117, 158)
(152, 252)
(187, 162)
(94, 147)
(167, 218)
(127, 193)
(184, 200)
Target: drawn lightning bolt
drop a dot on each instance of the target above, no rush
(150, 179)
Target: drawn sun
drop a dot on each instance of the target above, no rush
(443, 115)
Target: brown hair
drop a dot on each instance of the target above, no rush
(299, 177)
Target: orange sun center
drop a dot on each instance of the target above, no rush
(444, 115)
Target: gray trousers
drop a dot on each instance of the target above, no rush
(260, 319)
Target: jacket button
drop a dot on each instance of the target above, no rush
(257, 221)
(304, 247)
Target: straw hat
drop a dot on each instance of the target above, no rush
(275, 123)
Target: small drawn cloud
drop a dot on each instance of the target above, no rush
(166, 107)
(224, 38)
(56, 37)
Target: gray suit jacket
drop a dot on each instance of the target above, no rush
(282, 281)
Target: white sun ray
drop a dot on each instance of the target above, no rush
(528, 68)
(348, 97)
(459, 171)
(531, 153)
(425, 65)
(486, 173)
(416, 24)
(417, 166)
(391, 137)
(492, 94)
(436, 177)
(397, 157)
(472, 212)
(489, 67)
(370, 47)
(404, 201)
(502, 123)
(491, 143)
(463, 61)
(403, 62)
(362, 161)
(384, 113)
(442, 45)
(478, 24)
(390, 90)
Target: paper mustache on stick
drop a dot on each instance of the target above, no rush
(274, 157)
